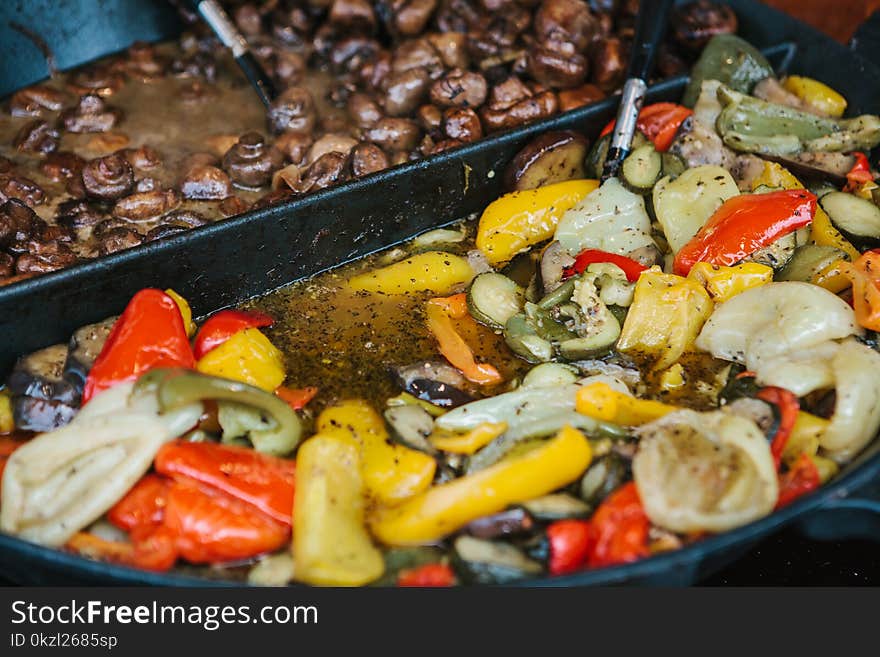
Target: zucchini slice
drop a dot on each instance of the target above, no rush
(673, 165)
(492, 299)
(641, 169)
(525, 342)
(550, 374)
(808, 260)
(857, 218)
(558, 506)
(485, 562)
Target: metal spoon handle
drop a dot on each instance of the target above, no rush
(650, 28)
(217, 18)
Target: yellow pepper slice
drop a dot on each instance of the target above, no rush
(7, 422)
(804, 438)
(601, 401)
(247, 356)
(666, 315)
(331, 545)
(434, 271)
(816, 94)
(822, 231)
(185, 311)
(391, 472)
(722, 283)
(521, 219)
(673, 378)
(832, 277)
(470, 442)
(440, 313)
(444, 509)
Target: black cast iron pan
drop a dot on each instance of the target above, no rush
(228, 262)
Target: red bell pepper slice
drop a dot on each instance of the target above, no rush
(570, 544)
(859, 174)
(222, 325)
(296, 398)
(149, 333)
(431, 574)
(800, 479)
(745, 224)
(620, 528)
(210, 526)
(262, 481)
(143, 507)
(788, 405)
(584, 259)
(659, 122)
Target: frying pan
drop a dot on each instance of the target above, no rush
(228, 262)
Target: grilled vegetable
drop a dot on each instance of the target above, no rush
(808, 262)
(412, 424)
(722, 283)
(511, 522)
(440, 313)
(149, 333)
(658, 122)
(221, 326)
(682, 206)
(40, 375)
(519, 220)
(595, 161)
(175, 388)
(524, 341)
(751, 125)
(730, 60)
(599, 400)
(85, 346)
(745, 224)
(863, 274)
(331, 544)
(443, 509)
(549, 158)
(485, 562)
(570, 543)
(469, 442)
(620, 528)
(603, 477)
(434, 271)
(641, 169)
(857, 219)
(666, 315)
(610, 219)
(817, 95)
(391, 472)
(550, 374)
(736, 481)
(492, 299)
(557, 506)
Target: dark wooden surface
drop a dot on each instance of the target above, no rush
(838, 18)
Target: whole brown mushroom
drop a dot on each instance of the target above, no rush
(17, 222)
(61, 165)
(251, 161)
(143, 206)
(37, 101)
(91, 114)
(293, 110)
(695, 23)
(108, 178)
(37, 137)
(24, 189)
(43, 257)
(367, 158)
(206, 183)
(459, 88)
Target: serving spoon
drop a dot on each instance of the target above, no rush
(650, 27)
(217, 18)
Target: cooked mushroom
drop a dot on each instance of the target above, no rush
(144, 63)
(549, 158)
(394, 134)
(363, 110)
(696, 22)
(452, 48)
(462, 124)
(406, 90)
(557, 67)
(108, 178)
(566, 21)
(607, 63)
(250, 162)
(143, 206)
(7, 265)
(62, 165)
(163, 231)
(143, 157)
(327, 170)
(459, 88)
(21, 188)
(37, 137)
(367, 158)
(91, 114)
(98, 79)
(293, 110)
(17, 222)
(40, 375)
(36, 101)
(512, 103)
(79, 213)
(118, 239)
(332, 143)
(353, 15)
(43, 257)
(205, 183)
